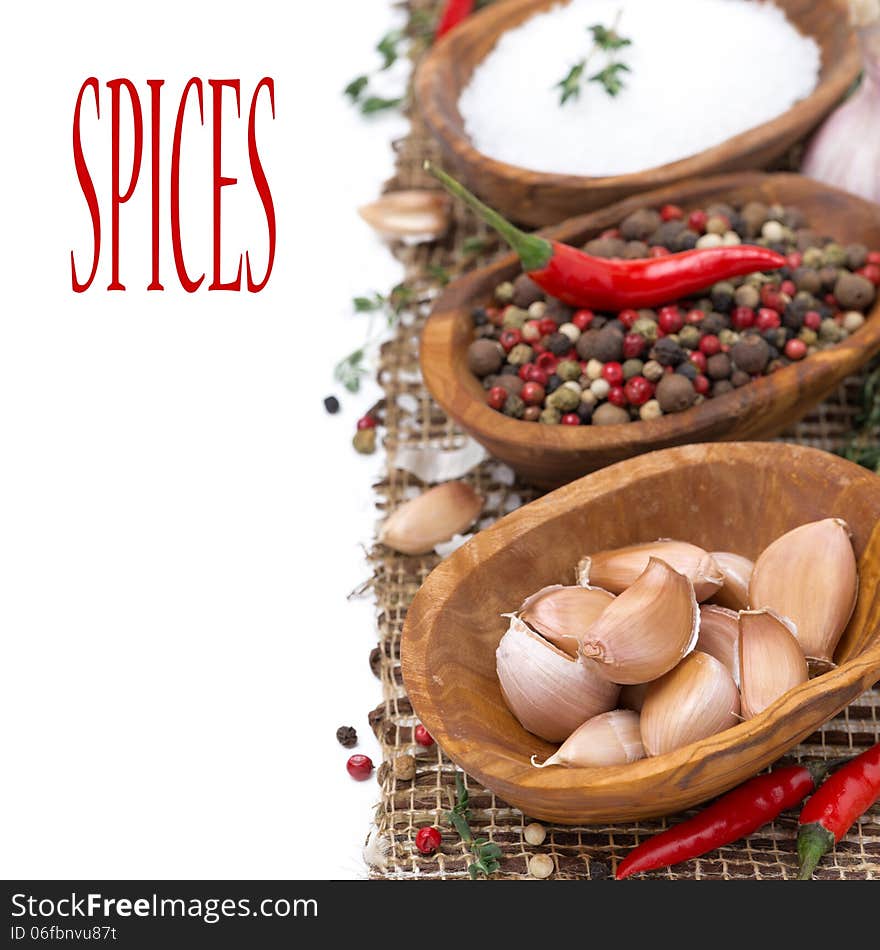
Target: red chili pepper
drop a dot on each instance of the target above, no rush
(733, 816)
(581, 280)
(831, 812)
(453, 13)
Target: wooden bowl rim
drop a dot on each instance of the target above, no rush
(434, 76)
(505, 773)
(442, 374)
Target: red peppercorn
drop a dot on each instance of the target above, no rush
(768, 319)
(795, 349)
(532, 394)
(538, 349)
(628, 317)
(547, 362)
(873, 257)
(582, 319)
(496, 316)
(697, 221)
(617, 396)
(742, 318)
(794, 260)
(670, 320)
(421, 734)
(633, 345)
(772, 298)
(360, 767)
(571, 419)
(699, 360)
(610, 233)
(710, 344)
(366, 422)
(509, 339)
(671, 213)
(638, 390)
(547, 326)
(695, 316)
(428, 840)
(659, 251)
(812, 320)
(536, 375)
(497, 397)
(613, 373)
(701, 384)
(788, 287)
(524, 371)
(872, 272)
(831, 300)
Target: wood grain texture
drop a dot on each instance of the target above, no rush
(553, 455)
(734, 496)
(537, 198)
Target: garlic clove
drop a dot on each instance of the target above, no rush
(409, 214)
(549, 692)
(810, 576)
(431, 518)
(645, 632)
(697, 699)
(618, 569)
(612, 738)
(737, 571)
(633, 696)
(563, 614)
(771, 659)
(719, 636)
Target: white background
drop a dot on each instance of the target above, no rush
(180, 520)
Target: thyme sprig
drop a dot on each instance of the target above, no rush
(486, 854)
(605, 40)
(864, 447)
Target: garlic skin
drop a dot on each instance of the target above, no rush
(612, 738)
(431, 518)
(645, 632)
(550, 693)
(697, 699)
(415, 214)
(770, 659)
(737, 571)
(719, 636)
(563, 614)
(633, 696)
(618, 569)
(810, 576)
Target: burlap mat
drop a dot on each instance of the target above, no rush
(412, 419)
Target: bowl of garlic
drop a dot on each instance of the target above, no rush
(585, 671)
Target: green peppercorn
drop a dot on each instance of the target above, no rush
(520, 355)
(568, 370)
(808, 336)
(653, 371)
(647, 328)
(829, 331)
(835, 255)
(563, 399)
(747, 296)
(632, 368)
(514, 406)
(728, 337)
(856, 256)
(515, 318)
(689, 337)
(364, 441)
(550, 416)
(813, 257)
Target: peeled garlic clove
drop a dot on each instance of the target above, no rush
(616, 570)
(409, 214)
(612, 738)
(719, 636)
(810, 576)
(431, 518)
(737, 571)
(771, 659)
(550, 693)
(645, 631)
(695, 700)
(633, 696)
(563, 614)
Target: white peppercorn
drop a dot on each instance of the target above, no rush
(534, 833)
(650, 410)
(594, 369)
(541, 865)
(571, 331)
(600, 388)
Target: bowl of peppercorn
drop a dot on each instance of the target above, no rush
(558, 391)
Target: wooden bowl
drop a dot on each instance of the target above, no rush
(552, 455)
(539, 198)
(734, 497)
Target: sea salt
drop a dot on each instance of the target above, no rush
(701, 71)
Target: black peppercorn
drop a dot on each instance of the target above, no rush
(739, 378)
(792, 318)
(667, 233)
(553, 383)
(667, 352)
(615, 324)
(685, 240)
(585, 413)
(331, 404)
(714, 323)
(558, 311)
(346, 736)
(479, 316)
(722, 296)
(640, 225)
(688, 370)
(376, 662)
(599, 871)
(558, 344)
(598, 322)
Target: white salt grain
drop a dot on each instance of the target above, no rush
(701, 72)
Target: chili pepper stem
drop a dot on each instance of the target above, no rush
(534, 252)
(813, 843)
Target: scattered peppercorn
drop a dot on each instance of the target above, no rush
(364, 441)
(347, 737)
(360, 767)
(331, 404)
(428, 840)
(422, 736)
(675, 393)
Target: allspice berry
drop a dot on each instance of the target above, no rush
(347, 737)
(403, 767)
(484, 357)
(750, 353)
(675, 393)
(640, 225)
(854, 292)
(526, 292)
(513, 384)
(605, 345)
(610, 415)
(718, 366)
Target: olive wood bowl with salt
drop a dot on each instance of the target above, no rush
(733, 497)
(539, 198)
(551, 455)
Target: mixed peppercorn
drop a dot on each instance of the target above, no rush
(541, 360)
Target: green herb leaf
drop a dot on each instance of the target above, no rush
(350, 370)
(354, 89)
(373, 104)
(610, 78)
(473, 245)
(570, 86)
(369, 304)
(440, 274)
(608, 39)
(387, 47)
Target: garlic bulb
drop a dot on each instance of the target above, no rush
(550, 693)
(771, 660)
(616, 570)
(719, 636)
(695, 700)
(434, 516)
(633, 696)
(562, 614)
(409, 214)
(737, 571)
(610, 739)
(645, 631)
(810, 576)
